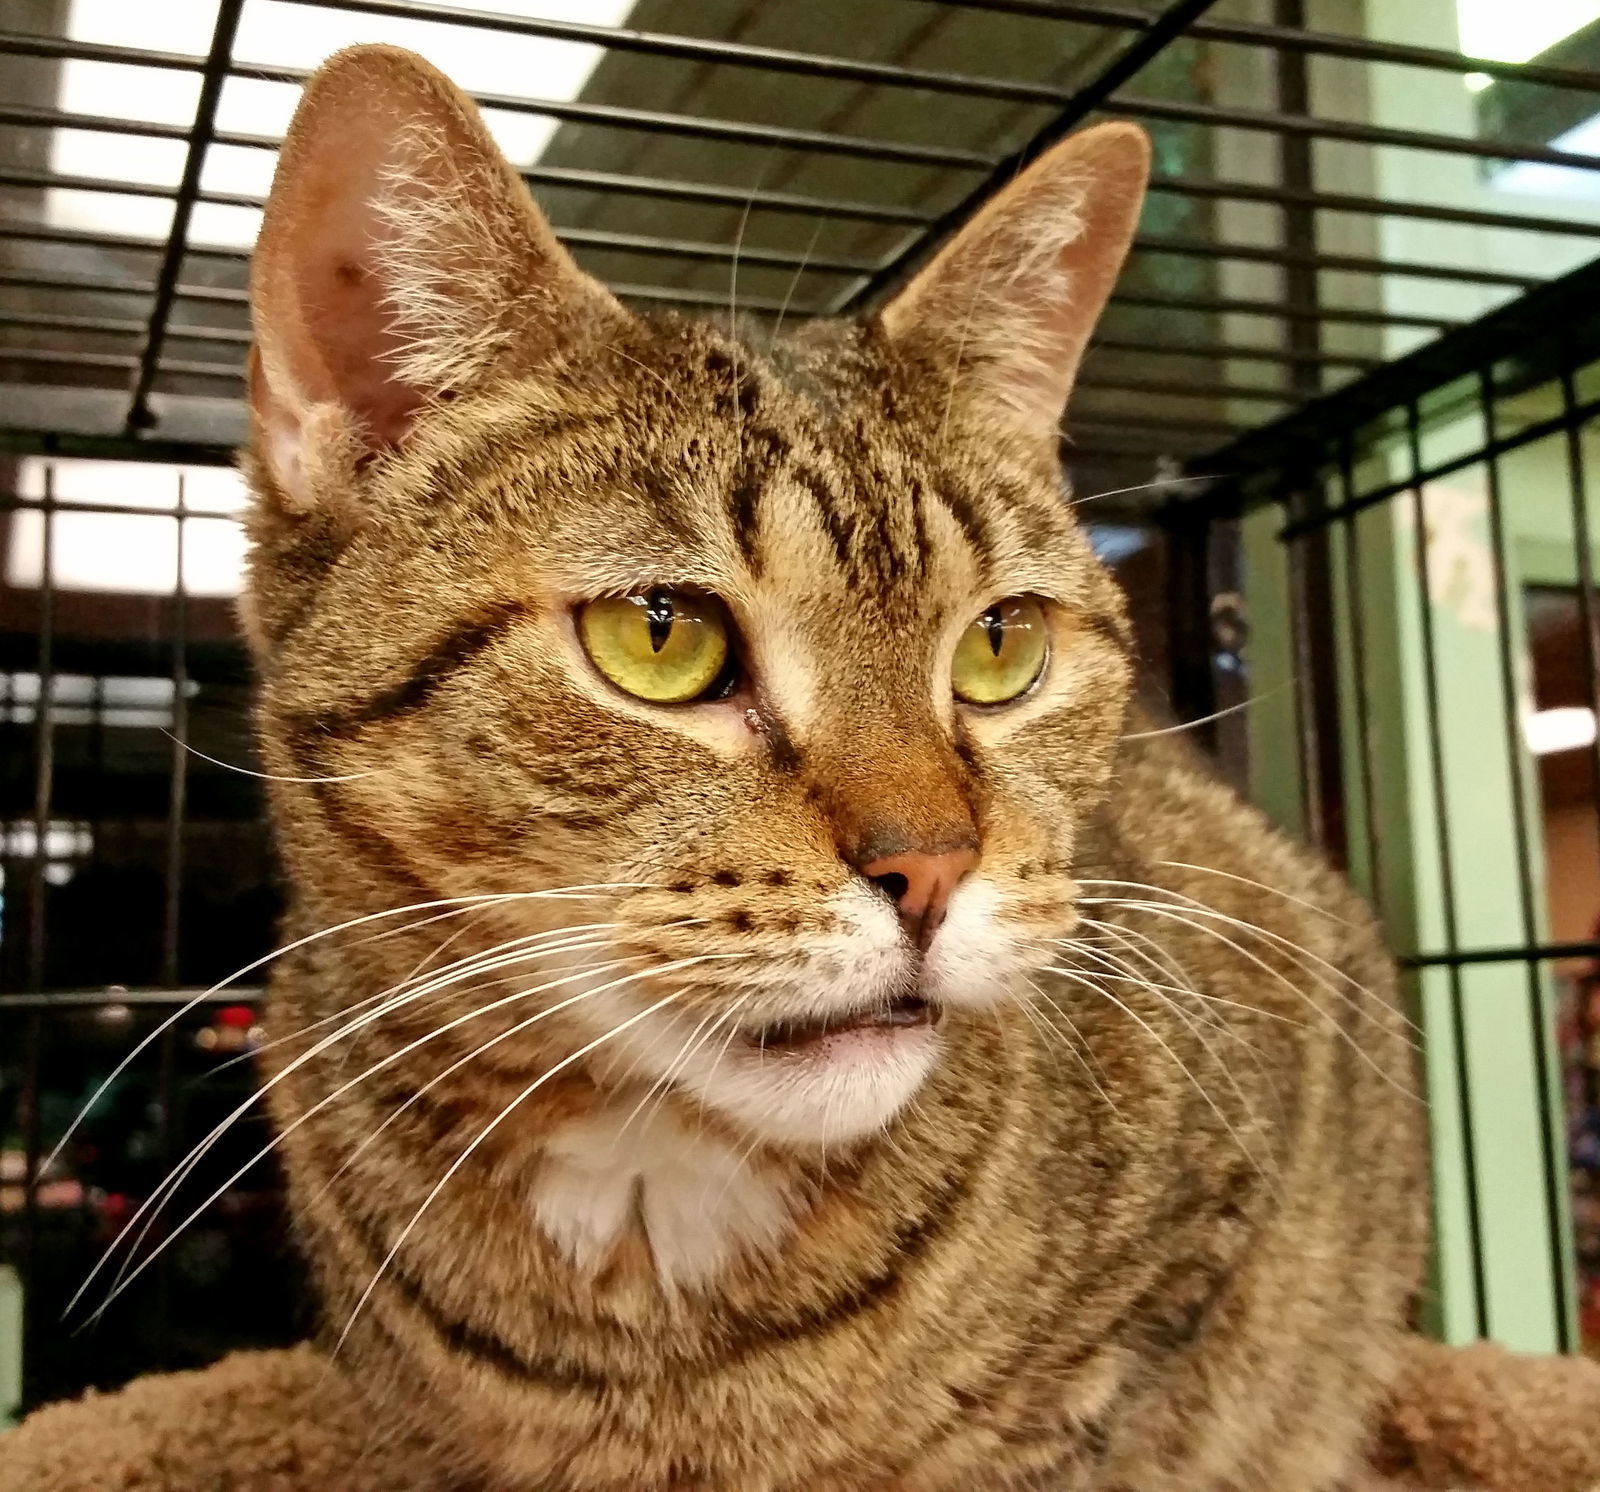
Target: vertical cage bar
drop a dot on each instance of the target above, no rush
(1305, 714)
(1577, 477)
(178, 760)
(1316, 676)
(1555, 1222)
(1447, 882)
(1355, 601)
(38, 931)
(1186, 527)
(172, 910)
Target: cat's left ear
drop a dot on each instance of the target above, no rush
(1007, 307)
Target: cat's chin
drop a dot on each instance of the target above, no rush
(824, 1087)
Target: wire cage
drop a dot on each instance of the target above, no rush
(1421, 559)
(1338, 448)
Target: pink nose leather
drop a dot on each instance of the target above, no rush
(919, 885)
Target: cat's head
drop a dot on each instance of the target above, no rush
(798, 652)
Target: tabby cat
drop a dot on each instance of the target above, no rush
(792, 1025)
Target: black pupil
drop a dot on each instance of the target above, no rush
(658, 613)
(991, 623)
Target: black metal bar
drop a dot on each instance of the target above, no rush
(111, 326)
(1532, 953)
(757, 198)
(1510, 697)
(1277, 311)
(603, 239)
(1356, 264)
(1356, 626)
(669, 295)
(1572, 301)
(115, 448)
(37, 963)
(1186, 532)
(37, 180)
(51, 233)
(1503, 446)
(1316, 683)
(88, 999)
(725, 53)
(1588, 607)
(811, 141)
(53, 321)
(172, 887)
(178, 762)
(1146, 424)
(122, 362)
(1447, 876)
(41, 116)
(11, 502)
(1351, 202)
(1218, 117)
(1293, 39)
(1241, 351)
(1089, 382)
(1077, 106)
(574, 177)
(140, 416)
(614, 116)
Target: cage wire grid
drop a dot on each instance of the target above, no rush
(733, 152)
(678, 204)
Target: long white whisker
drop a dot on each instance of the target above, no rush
(216, 761)
(1162, 909)
(384, 994)
(664, 1081)
(1299, 901)
(377, 1067)
(160, 1030)
(1133, 976)
(1193, 1022)
(1296, 951)
(1222, 714)
(483, 1135)
(478, 1051)
(168, 1187)
(1047, 1027)
(794, 284)
(1159, 482)
(1080, 978)
(660, 1089)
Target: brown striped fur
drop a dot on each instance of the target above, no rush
(1130, 1244)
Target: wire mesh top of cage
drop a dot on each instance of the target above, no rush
(1313, 215)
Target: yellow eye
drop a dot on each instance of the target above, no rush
(665, 646)
(1002, 653)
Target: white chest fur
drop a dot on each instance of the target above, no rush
(698, 1202)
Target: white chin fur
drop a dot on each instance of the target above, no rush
(818, 1099)
(855, 1084)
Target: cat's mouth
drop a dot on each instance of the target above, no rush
(908, 1012)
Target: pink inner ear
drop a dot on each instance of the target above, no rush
(349, 340)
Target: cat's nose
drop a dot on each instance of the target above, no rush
(919, 884)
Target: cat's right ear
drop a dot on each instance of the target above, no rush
(401, 261)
